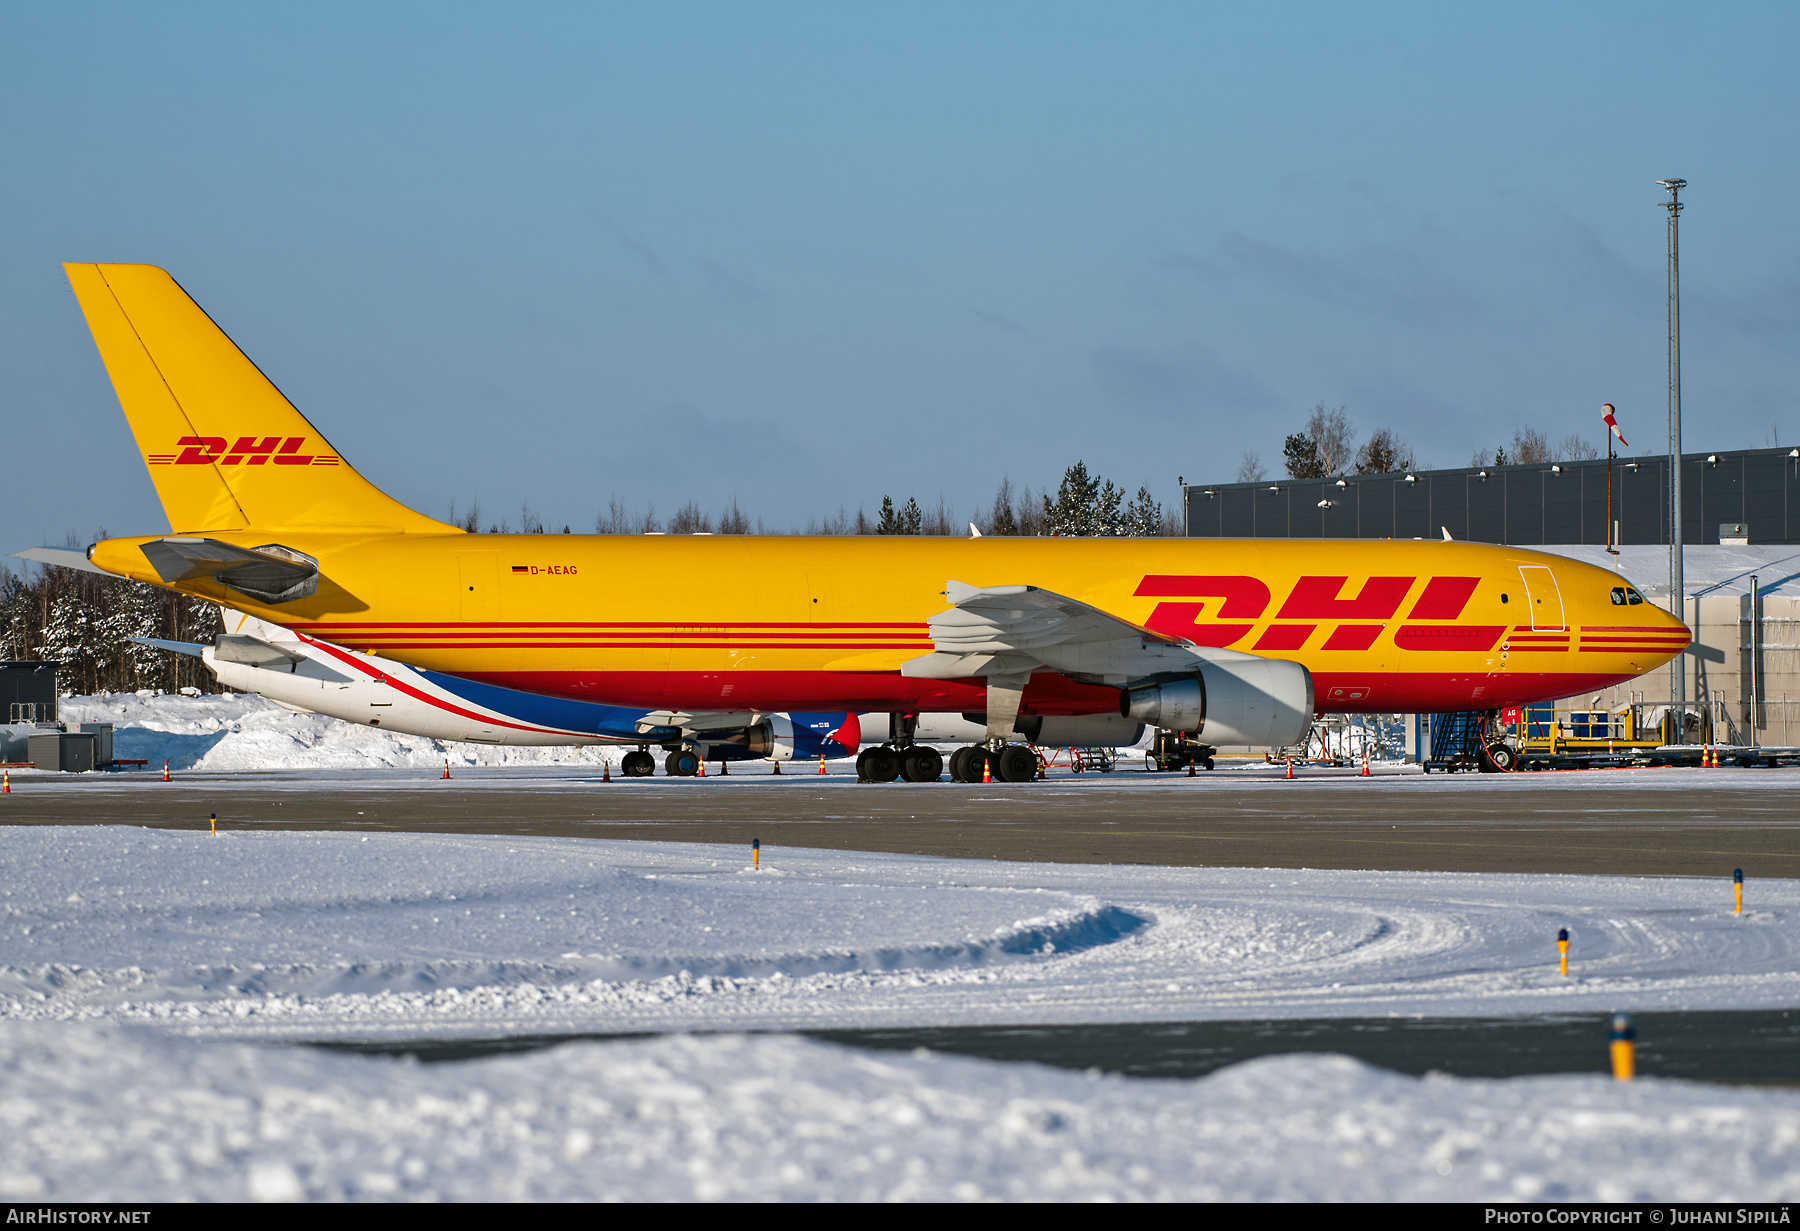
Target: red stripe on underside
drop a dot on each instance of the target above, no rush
(414, 693)
(621, 645)
(774, 638)
(523, 624)
(1448, 636)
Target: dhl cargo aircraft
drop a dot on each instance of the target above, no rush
(1240, 641)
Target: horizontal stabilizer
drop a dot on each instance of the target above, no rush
(192, 649)
(271, 573)
(237, 648)
(62, 557)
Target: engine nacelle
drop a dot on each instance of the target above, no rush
(1079, 730)
(772, 738)
(1261, 702)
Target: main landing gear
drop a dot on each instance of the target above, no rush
(899, 757)
(639, 764)
(1009, 763)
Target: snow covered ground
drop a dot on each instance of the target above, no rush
(105, 1113)
(281, 935)
(152, 981)
(238, 732)
(148, 976)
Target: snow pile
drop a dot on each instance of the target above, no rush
(108, 1114)
(315, 935)
(238, 732)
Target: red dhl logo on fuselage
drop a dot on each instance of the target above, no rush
(248, 451)
(1245, 601)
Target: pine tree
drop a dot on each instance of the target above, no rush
(912, 518)
(1108, 520)
(1072, 513)
(889, 524)
(1143, 517)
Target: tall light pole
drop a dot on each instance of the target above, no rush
(1677, 587)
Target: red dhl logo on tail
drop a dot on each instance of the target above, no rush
(1316, 599)
(248, 451)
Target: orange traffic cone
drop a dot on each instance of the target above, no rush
(724, 768)
(1191, 773)
(606, 771)
(1366, 772)
(446, 768)
(821, 765)
(1290, 770)
(165, 771)
(987, 768)
(701, 772)
(5, 782)
(778, 769)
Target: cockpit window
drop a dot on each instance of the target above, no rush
(1626, 596)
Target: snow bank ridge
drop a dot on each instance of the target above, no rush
(1056, 934)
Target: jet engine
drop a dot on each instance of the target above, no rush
(1265, 702)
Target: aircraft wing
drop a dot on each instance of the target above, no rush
(1000, 630)
(272, 573)
(1004, 633)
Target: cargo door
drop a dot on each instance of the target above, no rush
(1544, 598)
(478, 575)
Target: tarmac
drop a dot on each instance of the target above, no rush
(1648, 822)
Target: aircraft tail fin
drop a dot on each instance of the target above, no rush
(225, 449)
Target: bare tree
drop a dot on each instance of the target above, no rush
(1530, 447)
(618, 519)
(733, 520)
(1331, 431)
(1250, 469)
(1572, 448)
(471, 518)
(690, 518)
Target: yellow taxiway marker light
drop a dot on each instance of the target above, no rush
(1562, 947)
(756, 854)
(1624, 1047)
(1737, 887)
(213, 824)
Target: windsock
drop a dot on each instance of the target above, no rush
(1612, 424)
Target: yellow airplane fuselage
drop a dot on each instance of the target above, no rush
(790, 622)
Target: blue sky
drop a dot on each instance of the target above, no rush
(805, 255)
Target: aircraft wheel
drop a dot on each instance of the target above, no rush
(882, 765)
(922, 764)
(1016, 763)
(639, 764)
(958, 759)
(1502, 758)
(682, 763)
(1207, 764)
